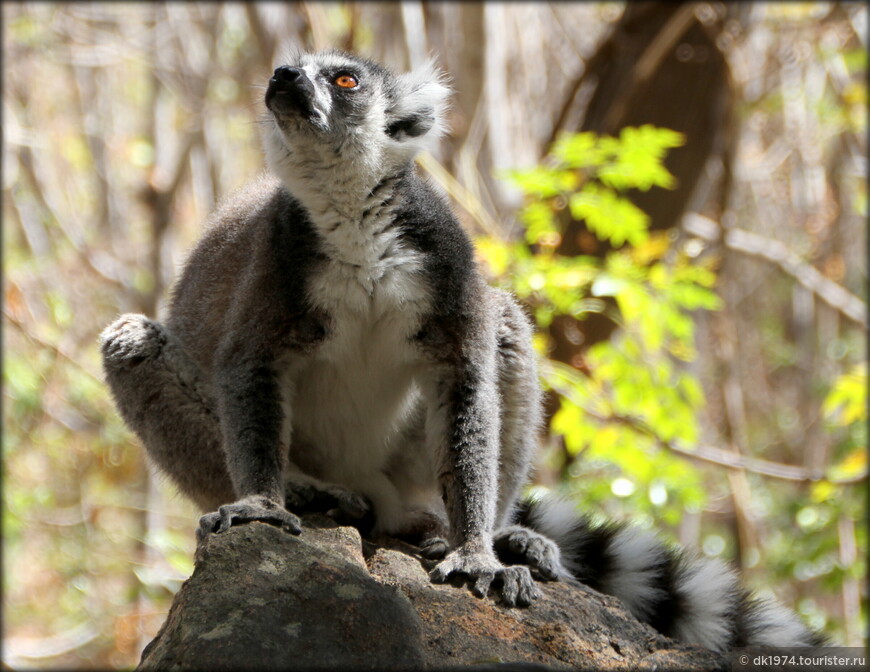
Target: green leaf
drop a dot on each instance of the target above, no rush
(580, 150)
(538, 219)
(543, 182)
(633, 393)
(608, 216)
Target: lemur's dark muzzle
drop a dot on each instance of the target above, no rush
(290, 91)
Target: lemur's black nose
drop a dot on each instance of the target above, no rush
(290, 92)
(285, 73)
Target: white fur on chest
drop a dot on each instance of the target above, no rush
(353, 393)
(369, 271)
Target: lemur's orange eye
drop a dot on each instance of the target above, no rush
(346, 81)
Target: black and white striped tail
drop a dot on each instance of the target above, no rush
(693, 599)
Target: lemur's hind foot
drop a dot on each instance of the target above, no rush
(518, 545)
(306, 495)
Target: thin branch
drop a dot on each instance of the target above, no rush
(414, 24)
(263, 39)
(318, 24)
(649, 62)
(569, 101)
(752, 244)
(82, 250)
(734, 460)
(22, 650)
(664, 40)
(15, 322)
(850, 591)
(463, 196)
(835, 295)
(712, 454)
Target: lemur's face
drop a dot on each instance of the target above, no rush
(332, 107)
(327, 94)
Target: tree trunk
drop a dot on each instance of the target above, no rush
(661, 65)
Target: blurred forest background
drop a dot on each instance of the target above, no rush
(702, 322)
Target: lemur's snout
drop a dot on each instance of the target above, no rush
(285, 73)
(290, 90)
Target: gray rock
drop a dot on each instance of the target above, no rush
(260, 598)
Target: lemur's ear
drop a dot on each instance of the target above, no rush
(419, 105)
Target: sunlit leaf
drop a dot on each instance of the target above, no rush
(846, 403)
(608, 216)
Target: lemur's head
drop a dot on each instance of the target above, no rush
(331, 111)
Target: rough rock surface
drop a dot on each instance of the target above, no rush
(260, 598)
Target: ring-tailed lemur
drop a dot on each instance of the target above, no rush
(331, 339)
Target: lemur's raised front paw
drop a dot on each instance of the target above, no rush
(521, 545)
(306, 497)
(131, 338)
(247, 510)
(515, 584)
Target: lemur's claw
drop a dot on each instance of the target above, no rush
(516, 586)
(248, 510)
(482, 582)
